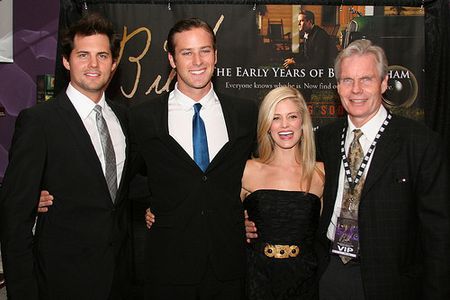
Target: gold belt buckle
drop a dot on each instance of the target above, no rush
(281, 251)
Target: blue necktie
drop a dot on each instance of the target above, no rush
(200, 142)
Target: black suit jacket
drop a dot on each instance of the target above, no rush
(318, 49)
(199, 216)
(404, 226)
(73, 253)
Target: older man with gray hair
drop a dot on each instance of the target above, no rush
(384, 231)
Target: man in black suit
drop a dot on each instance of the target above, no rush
(399, 205)
(75, 147)
(317, 49)
(195, 248)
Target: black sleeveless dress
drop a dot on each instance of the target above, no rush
(282, 218)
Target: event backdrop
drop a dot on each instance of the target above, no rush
(254, 41)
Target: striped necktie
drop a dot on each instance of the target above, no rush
(108, 152)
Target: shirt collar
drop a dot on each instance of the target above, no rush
(83, 104)
(186, 102)
(306, 35)
(371, 128)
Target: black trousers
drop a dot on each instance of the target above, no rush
(210, 288)
(341, 281)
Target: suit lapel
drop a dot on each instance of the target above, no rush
(161, 115)
(162, 128)
(333, 167)
(81, 136)
(230, 116)
(120, 114)
(386, 148)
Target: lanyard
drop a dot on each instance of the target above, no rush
(353, 182)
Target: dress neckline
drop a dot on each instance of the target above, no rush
(282, 191)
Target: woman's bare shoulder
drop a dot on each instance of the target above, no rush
(254, 165)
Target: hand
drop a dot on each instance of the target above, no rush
(149, 218)
(45, 200)
(250, 229)
(288, 61)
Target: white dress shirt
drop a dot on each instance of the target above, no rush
(85, 109)
(181, 112)
(369, 130)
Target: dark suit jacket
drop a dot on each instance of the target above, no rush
(73, 253)
(318, 49)
(404, 226)
(199, 216)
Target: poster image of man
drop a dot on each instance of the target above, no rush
(317, 48)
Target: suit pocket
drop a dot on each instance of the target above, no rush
(401, 184)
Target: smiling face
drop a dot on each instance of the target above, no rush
(286, 127)
(360, 87)
(90, 65)
(194, 60)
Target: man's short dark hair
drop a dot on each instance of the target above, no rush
(185, 25)
(88, 25)
(309, 15)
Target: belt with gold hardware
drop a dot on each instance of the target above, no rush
(281, 251)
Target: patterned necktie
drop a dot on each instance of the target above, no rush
(355, 157)
(200, 142)
(108, 152)
(351, 197)
(355, 152)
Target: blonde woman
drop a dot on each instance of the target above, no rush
(281, 190)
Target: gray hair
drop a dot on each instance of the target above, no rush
(362, 47)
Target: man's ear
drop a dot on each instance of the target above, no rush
(171, 60)
(66, 63)
(113, 66)
(384, 84)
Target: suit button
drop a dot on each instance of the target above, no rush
(205, 178)
(111, 244)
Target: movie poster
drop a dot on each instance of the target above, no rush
(263, 46)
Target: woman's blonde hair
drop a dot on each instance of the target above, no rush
(266, 145)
